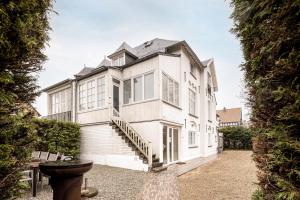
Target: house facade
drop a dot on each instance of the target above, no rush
(230, 117)
(142, 108)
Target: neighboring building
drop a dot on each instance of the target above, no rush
(230, 117)
(144, 107)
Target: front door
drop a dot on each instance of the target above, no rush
(170, 144)
(116, 97)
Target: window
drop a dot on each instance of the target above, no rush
(192, 102)
(101, 91)
(165, 87)
(127, 91)
(138, 89)
(60, 101)
(149, 86)
(209, 84)
(119, 61)
(209, 136)
(209, 110)
(170, 90)
(192, 138)
(91, 93)
(193, 70)
(143, 88)
(82, 99)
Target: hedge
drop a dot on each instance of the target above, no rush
(236, 137)
(269, 31)
(56, 136)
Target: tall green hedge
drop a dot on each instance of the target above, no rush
(269, 31)
(236, 137)
(55, 136)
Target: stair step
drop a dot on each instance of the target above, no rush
(155, 160)
(157, 164)
(110, 123)
(153, 156)
(159, 169)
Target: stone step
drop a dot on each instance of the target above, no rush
(155, 160)
(157, 164)
(159, 169)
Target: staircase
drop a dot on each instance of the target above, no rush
(140, 146)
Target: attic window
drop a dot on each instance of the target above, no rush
(148, 43)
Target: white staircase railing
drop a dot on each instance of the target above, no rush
(144, 146)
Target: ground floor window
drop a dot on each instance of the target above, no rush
(192, 138)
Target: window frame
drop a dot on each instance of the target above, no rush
(175, 93)
(192, 138)
(132, 89)
(96, 94)
(194, 102)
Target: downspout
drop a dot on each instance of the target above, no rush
(74, 100)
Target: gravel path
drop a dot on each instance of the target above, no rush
(231, 176)
(112, 183)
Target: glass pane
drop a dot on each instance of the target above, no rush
(171, 92)
(149, 86)
(138, 89)
(165, 135)
(127, 91)
(165, 87)
(176, 93)
(175, 144)
(100, 92)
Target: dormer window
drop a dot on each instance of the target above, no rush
(118, 61)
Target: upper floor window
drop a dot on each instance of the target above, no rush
(100, 92)
(143, 88)
(192, 102)
(60, 101)
(170, 90)
(82, 98)
(193, 69)
(209, 110)
(119, 61)
(209, 83)
(92, 94)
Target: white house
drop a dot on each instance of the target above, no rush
(142, 107)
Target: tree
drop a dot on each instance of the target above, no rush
(24, 26)
(269, 31)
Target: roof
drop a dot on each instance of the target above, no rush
(84, 71)
(230, 115)
(104, 62)
(66, 81)
(124, 47)
(205, 62)
(153, 46)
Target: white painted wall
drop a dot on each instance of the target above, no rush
(102, 145)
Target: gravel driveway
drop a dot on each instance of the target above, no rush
(231, 176)
(112, 183)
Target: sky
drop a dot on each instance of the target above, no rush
(83, 32)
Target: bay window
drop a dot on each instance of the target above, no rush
(100, 92)
(143, 88)
(170, 90)
(138, 89)
(60, 101)
(127, 91)
(91, 93)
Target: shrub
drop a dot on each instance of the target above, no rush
(236, 137)
(269, 31)
(24, 30)
(55, 136)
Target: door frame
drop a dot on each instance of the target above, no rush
(170, 127)
(117, 85)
